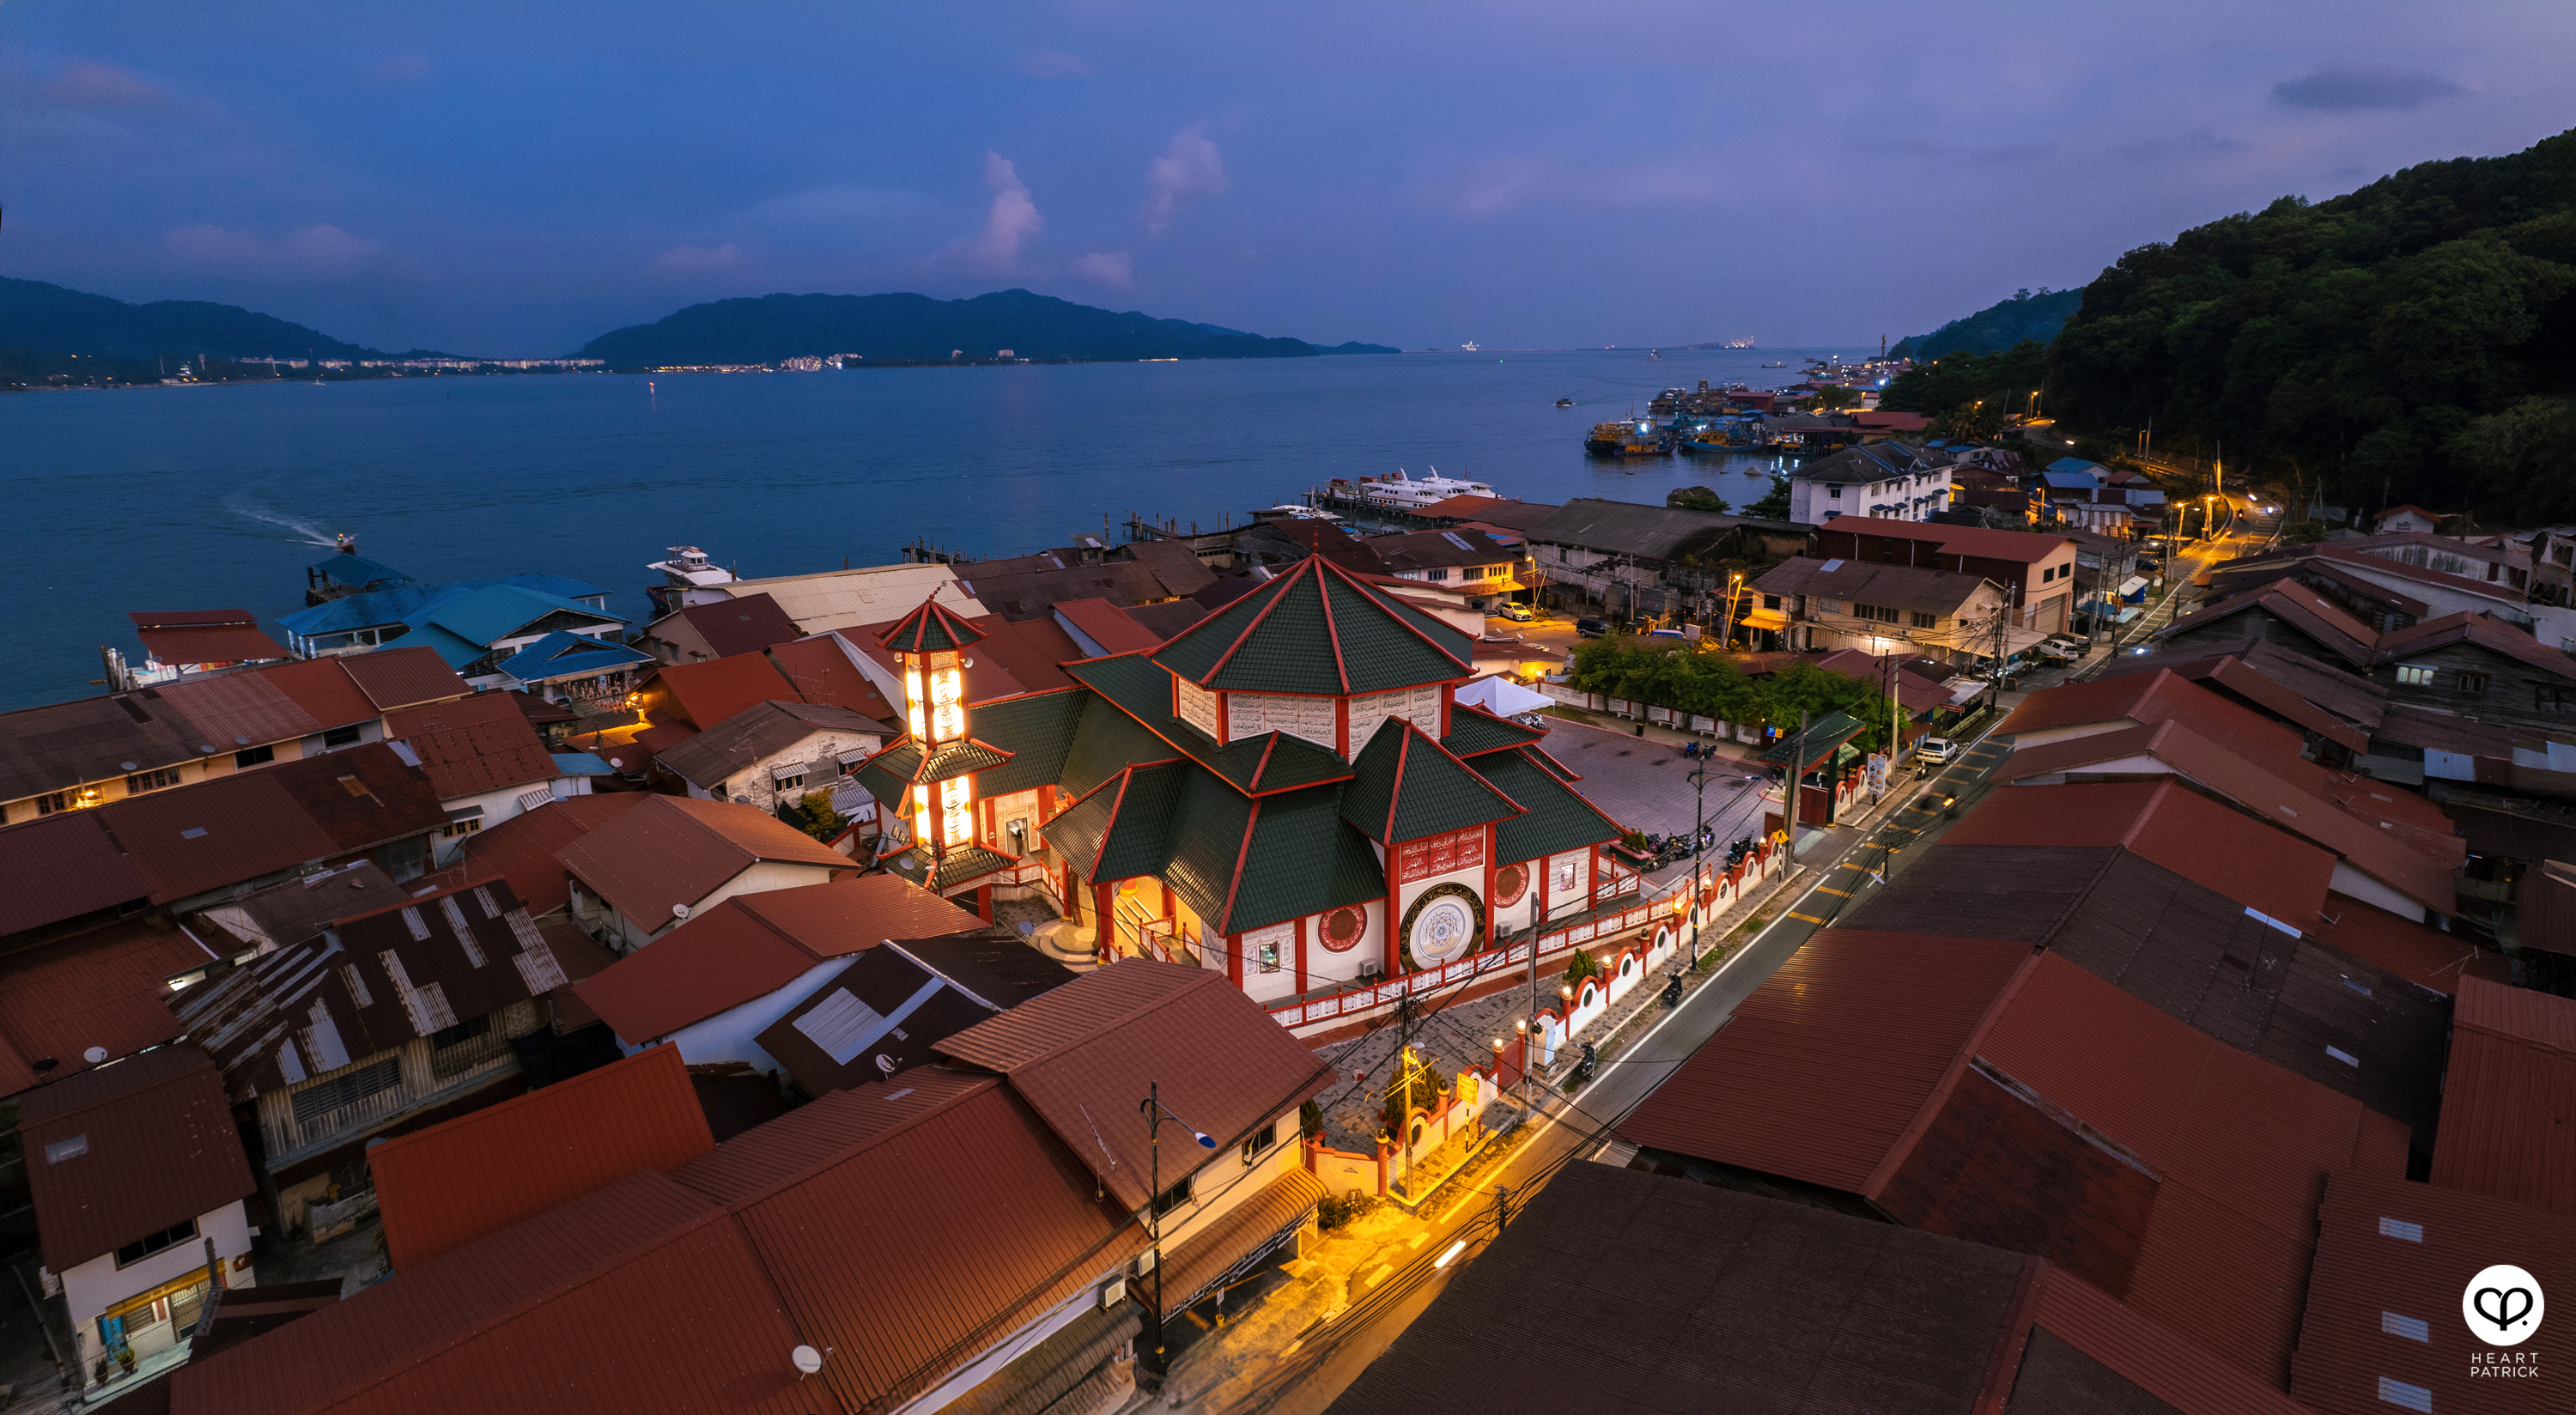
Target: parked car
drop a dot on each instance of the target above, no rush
(2057, 651)
(1591, 628)
(1935, 750)
(1517, 613)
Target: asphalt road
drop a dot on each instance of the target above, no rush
(1317, 1368)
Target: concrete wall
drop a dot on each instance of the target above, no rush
(99, 1284)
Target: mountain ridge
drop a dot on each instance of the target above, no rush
(38, 315)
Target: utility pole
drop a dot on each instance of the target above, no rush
(1797, 777)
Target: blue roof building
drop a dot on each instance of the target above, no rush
(560, 656)
(2077, 464)
(359, 622)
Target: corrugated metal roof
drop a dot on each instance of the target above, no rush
(909, 1225)
(754, 944)
(2172, 825)
(443, 1187)
(642, 1296)
(491, 612)
(522, 848)
(106, 989)
(673, 850)
(60, 867)
(1084, 1055)
(236, 710)
(1617, 1290)
(2507, 1097)
(1191, 1266)
(158, 1149)
(402, 676)
(1973, 542)
(708, 693)
(1106, 625)
(473, 745)
(1823, 1071)
(760, 731)
(2241, 1148)
(821, 671)
(2425, 957)
(61, 745)
(2393, 1260)
(2158, 697)
(324, 689)
(743, 624)
(190, 839)
(564, 654)
(2163, 1366)
(210, 643)
(887, 1011)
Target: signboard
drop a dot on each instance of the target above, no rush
(1197, 705)
(1251, 714)
(1440, 855)
(1420, 706)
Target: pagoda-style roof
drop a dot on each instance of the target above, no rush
(929, 629)
(904, 764)
(960, 864)
(1405, 787)
(1824, 736)
(1320, 630)
(1474, 732)
(1255, 766)
(1559, 818)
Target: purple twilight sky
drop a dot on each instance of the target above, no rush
(512, 179)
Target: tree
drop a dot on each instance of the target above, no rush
(1833, 398)
(1697, 498)
(1774, 505)
(1974, 422)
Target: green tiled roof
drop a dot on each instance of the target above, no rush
(1139, 836)
(1077, 831)
(1037, 730)
(1824, 734)
(1206, 839)
(1136, 686)
(1172, 820)
(902, 762)
(1559, 819)
(1318, 630)
(887, 786)
(962, 864)
(1471, 731)
(1106, 742)
(929, 629)
(1303, 860)
(1405, 787)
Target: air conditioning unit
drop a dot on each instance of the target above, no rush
(1113, 1292)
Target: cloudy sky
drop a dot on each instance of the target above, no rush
(516, 178)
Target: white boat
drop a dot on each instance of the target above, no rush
(1469, 346)
(1295, 512)
(1396, 489)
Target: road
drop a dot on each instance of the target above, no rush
(1319, 1366)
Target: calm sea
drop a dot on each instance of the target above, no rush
(217, 497)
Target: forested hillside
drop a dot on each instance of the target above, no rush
(2408, 342)
(1997, 327)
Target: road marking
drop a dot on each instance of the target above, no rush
(1374, 1278)
(1419, 1239)
(1829, 889)
(1806, 917)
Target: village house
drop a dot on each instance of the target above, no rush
(178, 643)
(138, 1184)
(697, 632)
(773, 754)
(711, 986)
(887, 1011)
(1883, 479)
(1809, 604)
(483, 758)
(90, 751)
(1630, 558)
(359, 623)
(1487, 571)
(2036, 570)
(382, 1017)
(1284, 793)
(637, 877)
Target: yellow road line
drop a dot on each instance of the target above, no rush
(1829, 889)
(1805, 917)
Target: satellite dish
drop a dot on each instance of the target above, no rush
(130, 766)
(807, 1359)
(241, 741)
(209, 748)
(94, 1055)
(679, 911)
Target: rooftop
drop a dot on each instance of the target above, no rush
(2512, 1075)
(443, 1187)
(744, 624)
(102, 991)
(522, 848)
(1908, 587)
(758, 733)
(671, 850)
(473, 745)
(1971, 542)
(127, 1150)
(708, 693)
(1317, 629)
(2166, 822)
(402, 676)
(884, 1013)
(232, 829)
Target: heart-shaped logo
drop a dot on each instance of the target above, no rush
(2503, 1306)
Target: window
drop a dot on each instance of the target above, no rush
(340, 737)
(143, 1248)
(1172, 1198)
(1770, 601)
(346, 1089)
(1436, 576)
(1560, 555)
(455, 828)
(1833, 491)
(2551, 698)
(254, 756)
(792, 783)
(462, 1032)
(1262, 1139)
(1269, 956)
(1872, 611)
(2415, 675)
(57, 1151)
(1926, 621)
(53, 801)
(143, 781)
(2470, 682)
(720, 791)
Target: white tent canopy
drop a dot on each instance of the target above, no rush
(1500, 696)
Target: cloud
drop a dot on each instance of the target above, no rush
(699, 260)
(2200, 144)
(1189, 166)
(1112, 268)
(1013, 218)
(315, 253)
(102, 86)
(1053, 64)
(402, 68)
(2346, 89)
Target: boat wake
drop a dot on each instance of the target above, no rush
(303, 531)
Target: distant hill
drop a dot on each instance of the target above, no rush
(37, 316)
(1997, 327)
(903, 326)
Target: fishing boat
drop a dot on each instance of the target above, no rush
(1565, 402)
(1777, 363)
(1633, 437)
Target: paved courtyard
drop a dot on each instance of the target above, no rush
(1644, 782)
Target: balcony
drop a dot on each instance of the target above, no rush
(330, 1110)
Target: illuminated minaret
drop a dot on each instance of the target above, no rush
(929, 647)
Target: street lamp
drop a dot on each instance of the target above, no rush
(1154, 1110)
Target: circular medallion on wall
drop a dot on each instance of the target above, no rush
(1510, 883)
(1445, 924)
(1342, 929)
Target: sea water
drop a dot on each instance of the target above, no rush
(217, 497)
